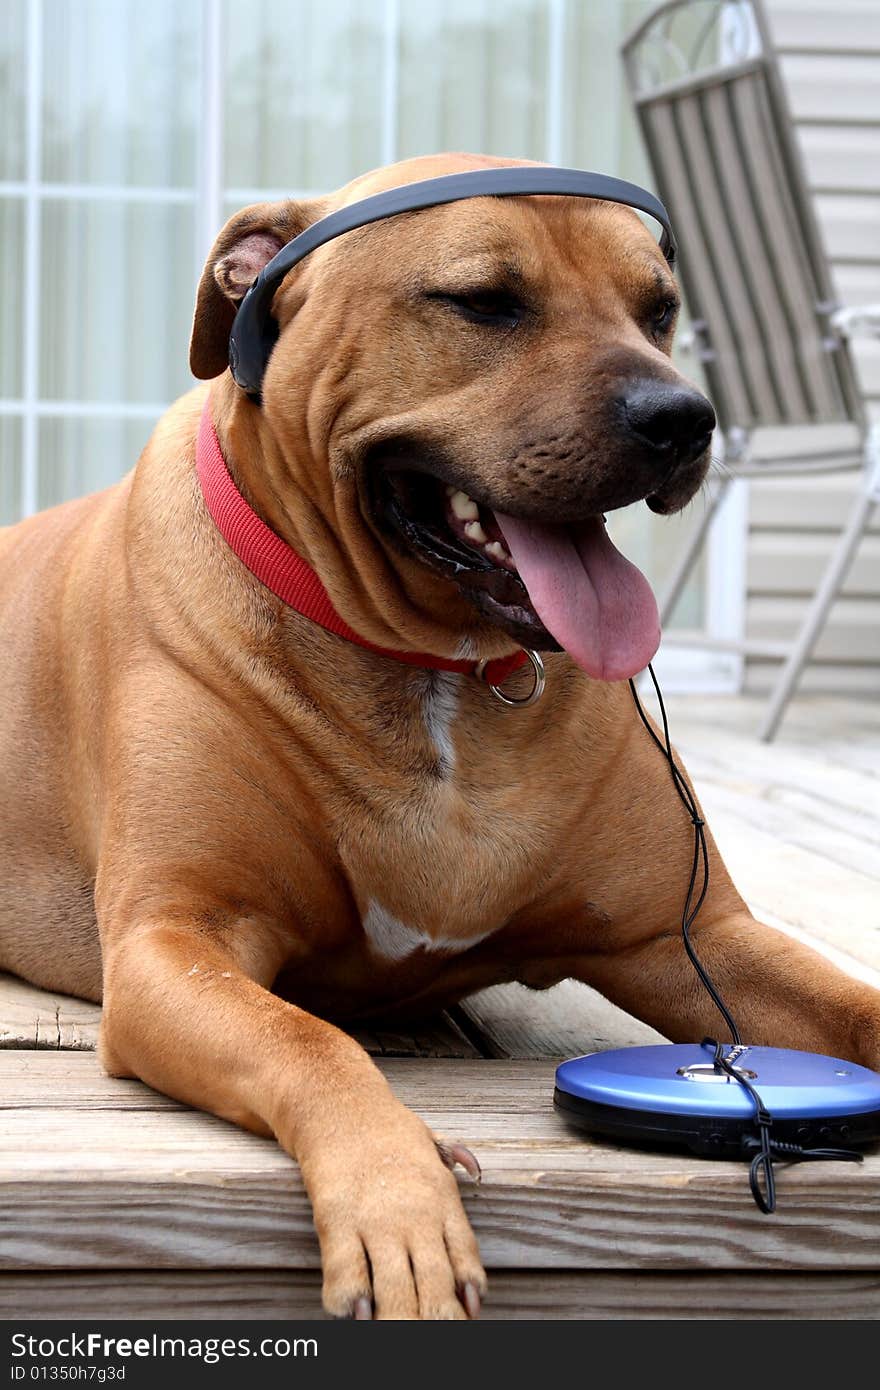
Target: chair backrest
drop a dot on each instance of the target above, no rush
(713, 112)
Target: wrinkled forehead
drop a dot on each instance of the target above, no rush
(527, 238)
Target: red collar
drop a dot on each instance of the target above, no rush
(288, 576)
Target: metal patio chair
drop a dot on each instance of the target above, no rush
(766, 327)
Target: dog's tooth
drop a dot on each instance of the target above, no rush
(497, 551)
(475, 532)
(464, 507)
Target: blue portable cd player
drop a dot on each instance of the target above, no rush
(675, 1094)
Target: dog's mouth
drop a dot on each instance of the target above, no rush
(547, 585)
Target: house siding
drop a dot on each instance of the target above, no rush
(830, 56)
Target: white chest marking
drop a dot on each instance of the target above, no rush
(439, 708)
(393, 939)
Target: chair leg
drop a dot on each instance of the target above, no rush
(691, 552)
(818, 612)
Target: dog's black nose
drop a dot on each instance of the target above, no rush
(675, 422)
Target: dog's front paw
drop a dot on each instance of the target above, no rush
(395, 1241)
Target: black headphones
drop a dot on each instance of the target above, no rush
(255, 332)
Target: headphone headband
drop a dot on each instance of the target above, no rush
(254, 331)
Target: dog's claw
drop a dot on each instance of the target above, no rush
(457, 1153)
(363, 1309)
(470, 1297)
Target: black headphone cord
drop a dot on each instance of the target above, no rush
(763, 1148)
(701, 853)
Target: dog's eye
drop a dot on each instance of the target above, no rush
(492, 308)
(664, 316)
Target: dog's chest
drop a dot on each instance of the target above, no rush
(439, 880)
(446, 859)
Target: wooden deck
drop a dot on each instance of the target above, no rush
(118, 1202)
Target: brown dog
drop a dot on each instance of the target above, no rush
(233, 825)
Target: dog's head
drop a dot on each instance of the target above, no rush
(460, 396)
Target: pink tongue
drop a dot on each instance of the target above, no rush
(596, 604)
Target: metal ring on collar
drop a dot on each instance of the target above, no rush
(534, 694)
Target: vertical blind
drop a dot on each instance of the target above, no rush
(105, 211)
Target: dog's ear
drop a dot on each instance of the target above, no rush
(247, 243)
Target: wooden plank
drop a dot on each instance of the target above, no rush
(120, 1187)
(789, 819)
(564, 1021)
(35, 1018)
(829, 678)
(830, 730)
(260, 1295)
(806, 791)
(832, 903)
(439, 1036)
(798, 824)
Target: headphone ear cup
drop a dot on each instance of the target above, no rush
(268, 337)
